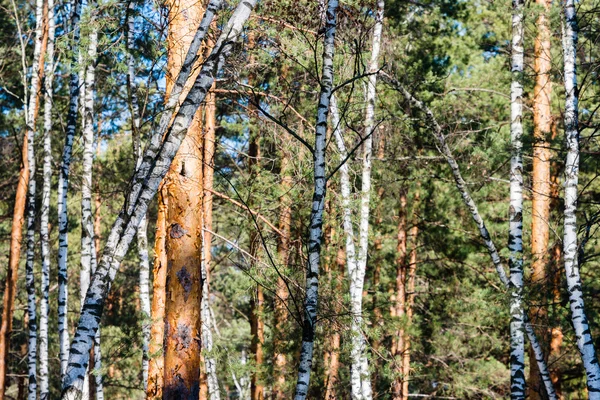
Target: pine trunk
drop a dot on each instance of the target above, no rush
(541, 187)
(159, 153)
(583, 335)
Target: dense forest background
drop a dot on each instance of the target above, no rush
(452, 326)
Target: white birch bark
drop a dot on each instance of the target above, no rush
(87, 222)
(583, 335)
(318, 203)
(515, 234)
(63, 187)
(210, 363)
(31, 191)
(141, 236)
(156, 162)
(45, 212)
(484, 233)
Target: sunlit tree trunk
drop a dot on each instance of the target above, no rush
(158, 155)
(584, 339)
(318, 203)
(541, 185)
(210, 363)
(63, 187)
(183, 244)
(37, 71)
(45, 211)
(333, 368)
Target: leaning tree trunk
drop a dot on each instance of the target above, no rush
(583, 335)
(158, 155)
(87, 221)
(63, 187)
(141, 236)
(45, 211)
(36, 69)
(318, 203)
(541, 191)
(515, 235)
(461, 185)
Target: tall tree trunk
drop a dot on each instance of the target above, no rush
(184, 186)
(398, 309)
(36, 76)
(210, 363)
(45, 212)
(541, 191)
(63, 187)
(87, 222)
(318, 203)
(411, 274)
(281, 293)
(585, 342)
(158, 155)
(333, 369)
(141, 236)
(515, 239)
(461, 185)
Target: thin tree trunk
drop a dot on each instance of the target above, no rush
(410, 276)
(210, 363)
(398, 308)
(281, 293)
(515, 239)
(461, 185)
(318, 203)
(157, 159)
(333, 370)
(63, 187)
(141, 236)
(87, 222)
(37, 71)
(541, 182)
(583, 335)
(45, 212)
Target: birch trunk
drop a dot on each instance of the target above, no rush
(36, 71)
(63, 187)
(157, 159)
(45, 212)
(515, 234)
(318, 203)
(461, 185)
(141, 236)
(87, 221)
(583, 335)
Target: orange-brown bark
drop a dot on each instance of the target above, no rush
(398, 308)
(333, 360)
(13, 267)
(283, 253)
(541, 182)
(157, 330)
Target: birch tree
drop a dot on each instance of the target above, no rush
(583, 335)
(63, 187)
(461, 185)
(45, 211)
(318, 203)
(158, 155)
